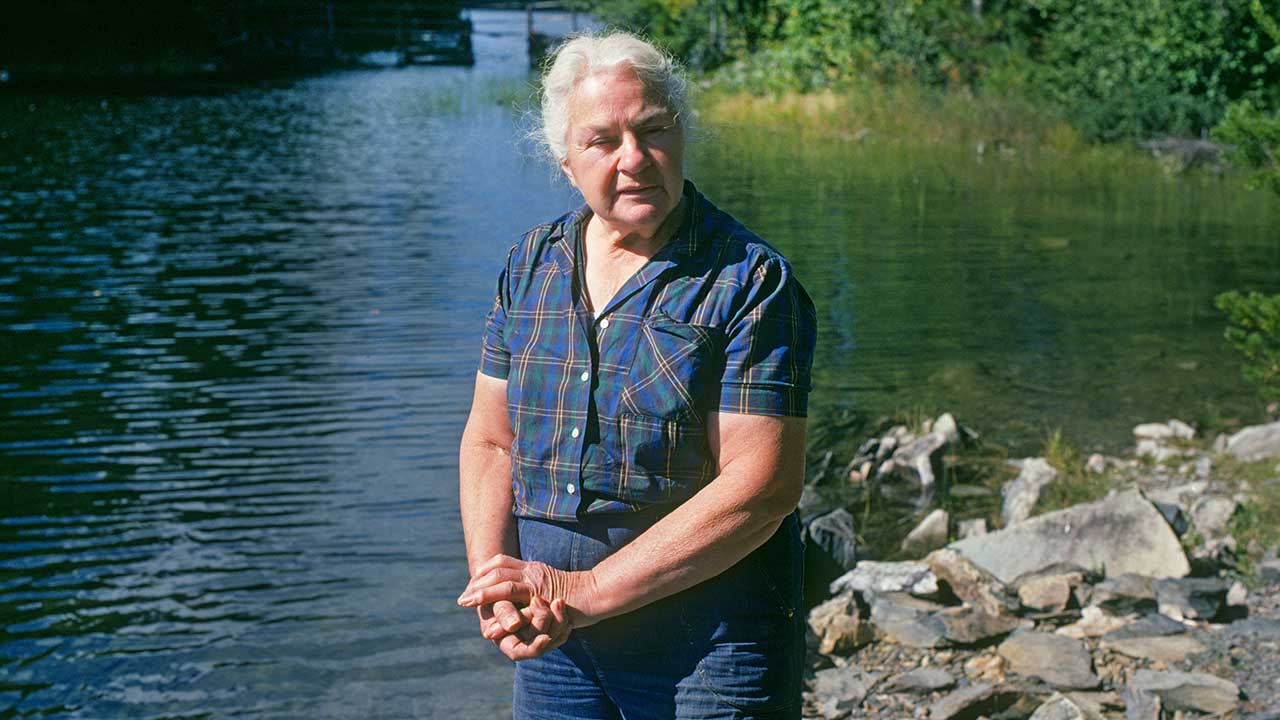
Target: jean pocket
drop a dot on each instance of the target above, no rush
(674, 368)
(663, 460)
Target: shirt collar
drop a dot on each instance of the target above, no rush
(686, 242)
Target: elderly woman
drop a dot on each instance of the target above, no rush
(635, 449)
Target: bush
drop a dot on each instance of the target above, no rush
(1255, 141)
(1254, 329)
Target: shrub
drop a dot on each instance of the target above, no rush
(1254, 329)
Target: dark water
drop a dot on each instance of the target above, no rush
(238, 332)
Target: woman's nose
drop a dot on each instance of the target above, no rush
(633, 155)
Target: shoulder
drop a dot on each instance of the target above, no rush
(531, 250)
(734, 249)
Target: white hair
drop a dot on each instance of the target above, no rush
(584, 55)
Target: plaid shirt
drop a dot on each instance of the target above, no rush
(609, 413)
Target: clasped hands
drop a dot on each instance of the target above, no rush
(522, 605)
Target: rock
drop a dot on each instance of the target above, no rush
(966, 625)
(1153, 431)
(911, 473)
(839, 691)
(947, 427)
(1093, 622)
(1175, 516)
(1191, 598)
(1258, 442)
(1181, 430)
(1022, 493)
(930, 533)
(1123, 593)
(1096, 464)
(1051, 590)
(1120, 533)
(1238, 595)
(1059, 707)
(1140, 705)
(835, 535)
(899, 620)
(920, 681)
(1060, 661)
(970, 583)
(1211, 514)
(971, 702)
(1198, 692)
(1269, 571)
(887, 577)
(1203, 467)
(839, 626)
(971, 528)
(1168, 649)
(1154, 625)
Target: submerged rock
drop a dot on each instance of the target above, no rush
(1120, 533)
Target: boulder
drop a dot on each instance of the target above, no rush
(1168, 649)
(904, 620)
(1021, 494)
(1060, 707)
(1060, 661)
(830, 550)
(839, 691)
(971, 702)
(839, 626)
(972, 584)
(1258, 442)
(920, 681)
(887, 577)
(1120, 533)
(1197, 692)
(1191, 598)
(930, 533)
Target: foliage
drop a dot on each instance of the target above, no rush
(1254, 329)
(1255, 141)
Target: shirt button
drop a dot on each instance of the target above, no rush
(586, 375)
(571, 489)
(604, 324)
(574, 432)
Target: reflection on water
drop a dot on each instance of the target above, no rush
(239, 331)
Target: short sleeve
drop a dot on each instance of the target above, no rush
(769, 345)
(495, 358)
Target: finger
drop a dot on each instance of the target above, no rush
(519, 593)
(505, 612)
(493, 577)
(496, 561)
(538, 615)
(517, 649)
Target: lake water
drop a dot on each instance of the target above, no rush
(239, 328)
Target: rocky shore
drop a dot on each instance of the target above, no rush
(1139, 604)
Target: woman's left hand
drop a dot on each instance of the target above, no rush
(540, 591)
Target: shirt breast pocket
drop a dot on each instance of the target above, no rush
(675, 368)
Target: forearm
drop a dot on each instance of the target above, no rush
(485, 497)
(719, 526)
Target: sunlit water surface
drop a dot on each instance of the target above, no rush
(239, 328)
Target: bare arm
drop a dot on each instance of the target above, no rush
(484, 475)
(761, 476)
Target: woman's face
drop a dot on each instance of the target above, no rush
(625, 152)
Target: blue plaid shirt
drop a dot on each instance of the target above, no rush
(609, 413)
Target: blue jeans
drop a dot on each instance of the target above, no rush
(731, 647)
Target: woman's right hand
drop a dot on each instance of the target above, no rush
(527, 632)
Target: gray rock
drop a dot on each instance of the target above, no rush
(1140, 705)
(1203, 467)
(975, 586)
(930, 533)
(1096, 464)
(1094, 622)
(1154, 625)
(947, 427)
(887, 577)
(839, 691)
(971, 528)
(1060, 707)
(839, 626)
(971, 702)
(1021, 494)
(914, 624)
(1124, 593)
(1238, 595)
(834, 533)
(1120, 533)
(1050, 590)
(1198, 692)
(1168, 649)
(921, 680)
(1269, 571)
(1174, 515)
(1211, 514)
(1191, 598)
(1060, 661)
(911, 473)
(968, 626)
(1258, 442)
(1153, 431)
(1181, 430)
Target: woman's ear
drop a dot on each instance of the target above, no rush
(568, 172)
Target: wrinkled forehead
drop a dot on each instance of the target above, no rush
(605, 96)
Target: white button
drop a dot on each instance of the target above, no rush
(604, 324)
(571, 489)
(586, 375)
(574, 432)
